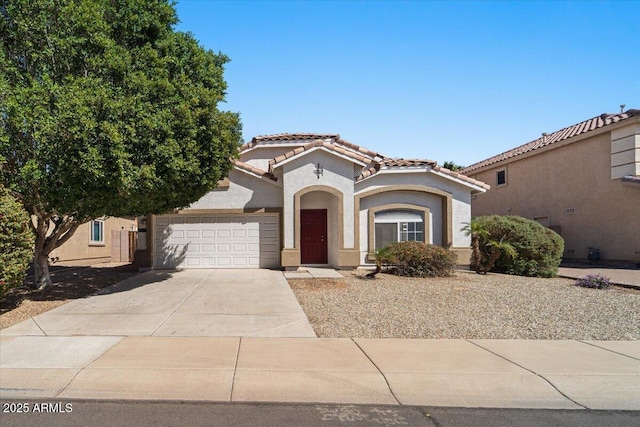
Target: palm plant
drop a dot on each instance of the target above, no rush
(496, 248)
(381, 256)
(478, 233)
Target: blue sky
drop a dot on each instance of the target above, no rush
(458, 81)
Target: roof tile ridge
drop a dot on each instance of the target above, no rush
(584, 126)
(463, 177)
(358, 148)
(253, 169)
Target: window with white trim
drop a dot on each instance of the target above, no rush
(398, 226)
(96, 232)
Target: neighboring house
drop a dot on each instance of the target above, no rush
(582, 181)
(306, 199)
(100, 240)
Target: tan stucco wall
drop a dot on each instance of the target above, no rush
(575, 175)
(78, 248)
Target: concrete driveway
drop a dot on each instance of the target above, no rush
(203, 303)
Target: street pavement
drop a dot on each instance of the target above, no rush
(81, 413)
(104, 348)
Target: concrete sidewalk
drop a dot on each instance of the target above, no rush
(464, 373)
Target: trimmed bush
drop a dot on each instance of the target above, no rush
(594, 281)
(539, 249)
(417, 259)
(16, 242)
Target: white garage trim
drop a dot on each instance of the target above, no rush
(217, 241)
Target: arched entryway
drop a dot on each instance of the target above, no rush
(319, 228)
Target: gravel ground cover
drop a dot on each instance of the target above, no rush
(467, 305)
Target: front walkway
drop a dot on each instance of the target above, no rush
(203, 303)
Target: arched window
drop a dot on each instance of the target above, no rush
(398, 226)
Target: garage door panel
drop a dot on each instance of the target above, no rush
(220, 241)
(223, 234)
(193, 261)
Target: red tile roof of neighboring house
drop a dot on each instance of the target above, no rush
(249, 168)
(563, 134)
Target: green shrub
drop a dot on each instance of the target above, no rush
(16, 242)
(539, 249)
(417, 259)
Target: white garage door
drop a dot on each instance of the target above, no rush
(216, 241)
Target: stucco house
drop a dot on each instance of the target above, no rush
(308, 199)
(582, 181)
(97, 241)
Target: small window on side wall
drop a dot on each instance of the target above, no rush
(96, 232)
(501, 177)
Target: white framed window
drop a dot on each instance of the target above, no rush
(96, 232)
(398, 226)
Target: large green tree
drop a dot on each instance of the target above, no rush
(106, 110)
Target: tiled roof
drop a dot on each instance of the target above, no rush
(249, 168)
(374, 160)
(462, 177)
(407, 163)
(560, 135)
(287, 137)
(314, 144)
(391, 163)
(294, 136)
(402, 163)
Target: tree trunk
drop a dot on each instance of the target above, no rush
(475, 253)
(46, 241)
(41, 267)
(495, 254)
(372, 274)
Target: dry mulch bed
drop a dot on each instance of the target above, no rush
(69, 283)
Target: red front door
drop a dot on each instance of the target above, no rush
(313, 236)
